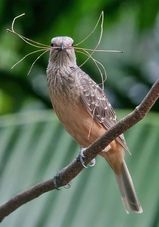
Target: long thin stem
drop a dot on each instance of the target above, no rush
(99, 50)
(15, 18)
(96, 63)
(99, 40)
(27, 40)
(27, 55)
(32, 65)
(96, 25)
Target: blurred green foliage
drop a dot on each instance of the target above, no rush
(31, 153)
(27, 140)
(131, 26)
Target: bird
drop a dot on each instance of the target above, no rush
(86, 113)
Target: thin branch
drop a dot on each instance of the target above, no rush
(75, 167)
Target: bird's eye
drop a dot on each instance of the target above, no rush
(52, 44)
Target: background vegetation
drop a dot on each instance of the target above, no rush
(26, 140)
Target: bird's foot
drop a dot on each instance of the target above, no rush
(82, 156)
(67, 186)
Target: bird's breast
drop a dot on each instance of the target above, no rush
(78, 122)
(64, 90)
(62, 83)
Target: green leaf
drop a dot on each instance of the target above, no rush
(34, 146)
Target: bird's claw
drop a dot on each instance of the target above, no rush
(67, 186)
(81, 159)
(82, 156)
(92, 162)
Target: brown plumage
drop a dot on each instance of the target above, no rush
(83, 108)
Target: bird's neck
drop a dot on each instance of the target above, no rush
(63, 60)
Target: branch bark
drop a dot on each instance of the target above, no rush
(75, 167)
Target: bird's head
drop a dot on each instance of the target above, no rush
(62, 51)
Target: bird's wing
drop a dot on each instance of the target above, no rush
(97, 104)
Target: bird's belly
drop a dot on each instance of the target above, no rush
(78, 122)
(85, 130)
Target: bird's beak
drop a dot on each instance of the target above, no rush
(62, 46)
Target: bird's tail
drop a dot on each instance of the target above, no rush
(129, 197)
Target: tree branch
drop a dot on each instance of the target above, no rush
(75, 167)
